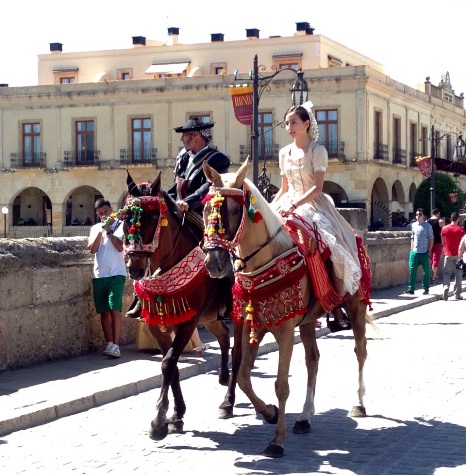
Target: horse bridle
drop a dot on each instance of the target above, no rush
(214, 236)
(133, 212)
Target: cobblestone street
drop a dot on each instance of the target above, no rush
(415, 401)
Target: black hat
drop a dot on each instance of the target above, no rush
(193, 125)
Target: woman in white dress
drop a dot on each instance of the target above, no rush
(303, 164)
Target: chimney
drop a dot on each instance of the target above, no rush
(173, 34)
(252, 33)
(55, 47)
(3, 85)
(139, 41)
(303, 28)
(215, 37)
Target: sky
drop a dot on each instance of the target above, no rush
(413, 39)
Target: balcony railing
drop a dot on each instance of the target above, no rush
(88, 158)
(144, 156)
(33, 160)
(412, 159)
(399, 156)
(269, 152)
(380, 151)
(335, 149)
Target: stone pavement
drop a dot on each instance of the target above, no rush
(45, 392)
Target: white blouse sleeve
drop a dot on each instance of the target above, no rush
(319, 158)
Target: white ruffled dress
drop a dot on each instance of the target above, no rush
(335, 231)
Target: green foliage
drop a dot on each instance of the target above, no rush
(444, 185)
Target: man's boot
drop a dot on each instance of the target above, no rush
(134, 310)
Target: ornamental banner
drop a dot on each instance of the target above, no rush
(424, 164)
(242, 103)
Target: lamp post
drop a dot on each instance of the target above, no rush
(432, 168)
(299, 93)
(5, 214)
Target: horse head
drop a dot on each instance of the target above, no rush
(239, 223)
(152, 227)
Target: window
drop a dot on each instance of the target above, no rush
(413, 144)
(265, 127)
(141, 130)
(287, 61)
(380, 151)
(65, 75)
(327, 121)
(125, 74)
(31, 144)
(218, 68)
(424, 141)
(85, 143)
(397, 152)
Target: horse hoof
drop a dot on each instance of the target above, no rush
(274, 418)
(175, 427)
(273, 451)
(158, 434)
(301, 427)
(358, 411)
(225, 412)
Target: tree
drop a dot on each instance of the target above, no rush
(444, 185)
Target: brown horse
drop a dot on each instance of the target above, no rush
(276, 294)
(176, 292)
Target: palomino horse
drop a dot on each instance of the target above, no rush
(177, 293)
(276, 294)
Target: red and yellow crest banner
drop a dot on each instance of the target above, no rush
(424, 164)
(242, 103)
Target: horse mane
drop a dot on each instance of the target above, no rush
(272, 219)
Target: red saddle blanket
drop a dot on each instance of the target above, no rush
(309, 242)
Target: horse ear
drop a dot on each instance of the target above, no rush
(212, 175)
(241, 174)
(155, 185)
(133, 189)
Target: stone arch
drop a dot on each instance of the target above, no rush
(337, 193)
(31, 207)
(380, 205)
(79, 205)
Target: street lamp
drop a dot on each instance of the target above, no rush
(460, 148)
(299, 93)
(5, 213)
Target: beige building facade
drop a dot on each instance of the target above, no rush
(95, 115)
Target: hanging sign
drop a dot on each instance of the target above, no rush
(424, 164)
(242, 103)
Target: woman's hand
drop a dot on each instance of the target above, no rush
(287, 209)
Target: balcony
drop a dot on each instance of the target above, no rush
(88, 158)
(269, 152)
(146, 156)
(399, 156)
(30, 160)
(380, 151)
(335, 149)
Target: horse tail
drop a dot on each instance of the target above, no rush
(370, 320)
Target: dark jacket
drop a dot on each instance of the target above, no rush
(191, 185)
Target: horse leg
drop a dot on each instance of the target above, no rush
(284, 335)
(221, 333)
(357, 315)
(226, 408)
(312, 355)
(160, 426)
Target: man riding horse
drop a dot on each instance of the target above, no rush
(191, 186)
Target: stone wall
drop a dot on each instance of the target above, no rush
(46, 306)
